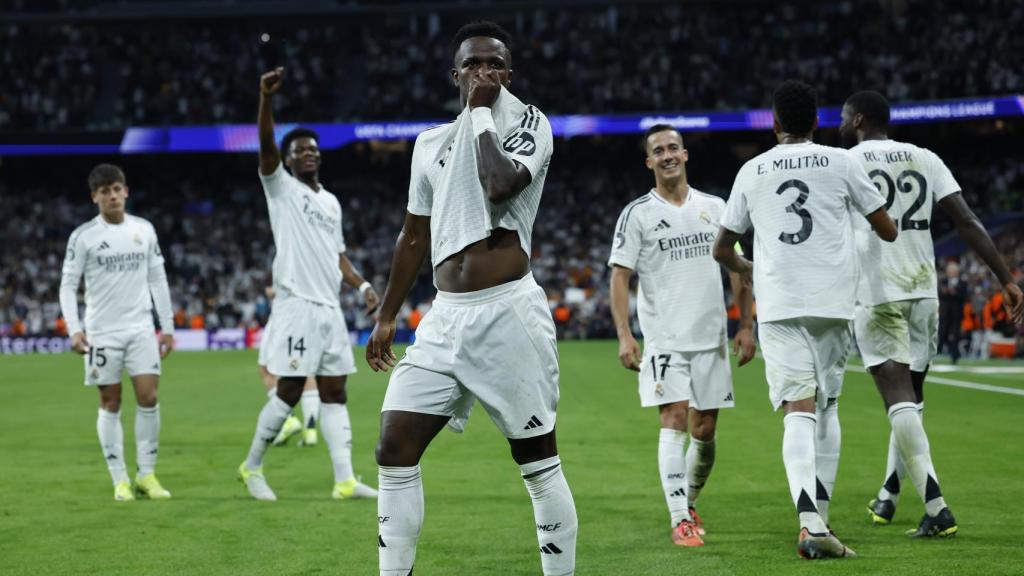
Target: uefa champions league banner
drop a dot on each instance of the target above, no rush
(244, 137)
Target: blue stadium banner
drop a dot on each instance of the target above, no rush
(244, 137)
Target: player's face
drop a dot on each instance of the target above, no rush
(481, 55)
(303, 157)
(111, 198)
(848, 126)
(666, 155)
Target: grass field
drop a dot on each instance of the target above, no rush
(57, 515)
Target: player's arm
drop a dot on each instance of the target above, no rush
(883, 225)
(725, 254)
(411, 249)
(161, 294)
(629, 349)
(353, 278)
(974, 234)
(743, 295)
(270, 156)
(501, 176)
(71, 277)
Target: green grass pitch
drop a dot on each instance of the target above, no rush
(57, 515)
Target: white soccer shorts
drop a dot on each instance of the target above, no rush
(703, 378)
(308, 339)
(905, 331)
(804, 356)
(136, 351)
(496, 345)
(264, 338)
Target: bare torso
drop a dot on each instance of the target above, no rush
(489, 262)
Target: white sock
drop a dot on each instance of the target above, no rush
(827, 439)
(267, 426)
(310, 402)
(700, 458)
(337, 431)
(147, 438)
(798, 457)
(916, 454)
(672, 466)
(555, 514)
(399, 517)
(895, 471)
(108, 427)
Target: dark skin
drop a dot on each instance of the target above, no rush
(481, 67)
(303, 160)
(725, 245)
(894, 380)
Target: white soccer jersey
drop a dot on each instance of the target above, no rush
(116, 260)
(307, 236)
(445, 186)
(680, 301)
(800, 199)
(911, 180)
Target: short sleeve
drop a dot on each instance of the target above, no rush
(736, 216)
(156, 257)
(942, 181)
(531, 143)
(421, 195)
(628, 239)
(863, 193)
(275, 183)
(75, 256)
(342, 248)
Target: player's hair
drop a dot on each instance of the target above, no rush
(484, 28)
(658, 128)
(105, 175)
(796, 106)
(872, 106)
(295, 133)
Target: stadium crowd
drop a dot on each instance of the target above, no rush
(587, 58)
(211, 218)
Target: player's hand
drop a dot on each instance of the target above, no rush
(743, 345)
(483, 89)
(378, 349)
(372, 301)
(166, 344)
(271, 81)
(1013, 301)
(629, 353)
(79, 344)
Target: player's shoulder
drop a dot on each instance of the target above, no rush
(434, 134)
(140, 222)
(705, 198)
(82, 230)
(635, 206)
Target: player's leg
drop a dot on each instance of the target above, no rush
(700, 457)
(712, 391)
(142, 360)
(310, 403)
(337, 429)
(111, 435)
(292, 425)
(833, 349)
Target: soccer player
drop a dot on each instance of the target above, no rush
(310, 400)
(119, 255)
(309, 335)
(473, 196)
(800, 198)
(898, 312)
(666, 237)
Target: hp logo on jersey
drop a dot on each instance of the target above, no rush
(521, 144)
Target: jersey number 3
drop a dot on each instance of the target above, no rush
(797, 207)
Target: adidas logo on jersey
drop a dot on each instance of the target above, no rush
(550, 549)
(103, 246)
(663, 225)
(533, 423)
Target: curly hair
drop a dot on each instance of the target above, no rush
(872, 106)
(796, 106)
(484, 28)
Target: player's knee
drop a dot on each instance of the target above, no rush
(703, 429)
(146, 399)
(392, 451)
(334, 395)
(674, 416)
(110, 404)
(290, 390)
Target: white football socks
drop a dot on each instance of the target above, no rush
(672, 467)
(108, 427)
(555, 514)
(399, 518)
(310, 403)
(826, 458)
(337, 431)
(895, 471)
(916, 454)
(147, 438)
(267, 426)
(700, 458)
(798, 457)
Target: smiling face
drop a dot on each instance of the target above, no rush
(666, 156)
(481, 55)
(303, 157)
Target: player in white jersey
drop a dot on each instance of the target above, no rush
(473, 196)
(898, 311)
(665, 236)
(119, 255)
(801, 199)
(309, 336)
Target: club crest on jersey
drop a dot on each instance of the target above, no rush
(705, 217)
(137, 239)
